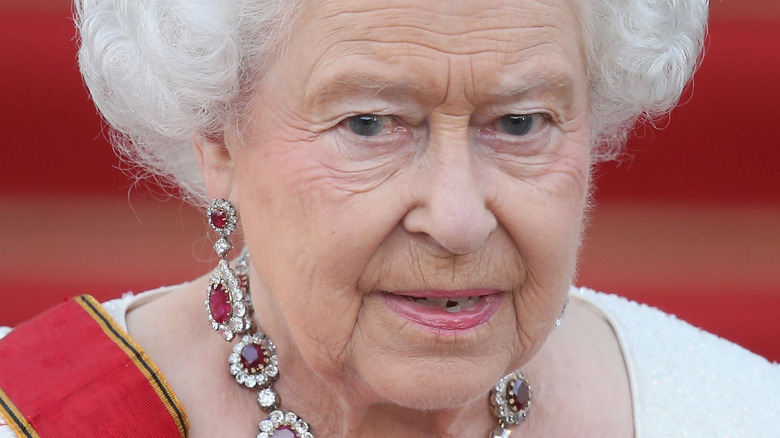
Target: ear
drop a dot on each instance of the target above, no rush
(216, 165)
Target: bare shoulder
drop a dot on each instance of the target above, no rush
(173, 313)
(584, 387)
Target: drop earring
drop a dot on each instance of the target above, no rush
(226, 304)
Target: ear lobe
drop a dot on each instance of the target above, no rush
(216, 165)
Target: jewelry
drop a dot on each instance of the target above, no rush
(254, 364)
(226, 304)
(563, 313)
(510, 402)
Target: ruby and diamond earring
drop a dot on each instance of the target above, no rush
(227, 304)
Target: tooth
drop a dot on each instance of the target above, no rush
(425, 302)
(452, 305)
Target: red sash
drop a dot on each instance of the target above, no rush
(73, 372)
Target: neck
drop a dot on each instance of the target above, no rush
(333, 410)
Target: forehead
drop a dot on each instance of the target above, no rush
(428, 44)
(437, 21)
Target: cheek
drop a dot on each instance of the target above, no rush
(544, 213)
(544, 217)
(310, 240)
(310, 214)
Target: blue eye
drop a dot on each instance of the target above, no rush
(518, 124)
(366, 125)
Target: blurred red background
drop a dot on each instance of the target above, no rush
(689, 222)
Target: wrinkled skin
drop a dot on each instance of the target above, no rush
(441, 195)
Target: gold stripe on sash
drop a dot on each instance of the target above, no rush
(15, 419)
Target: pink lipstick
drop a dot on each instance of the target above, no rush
(445, 310)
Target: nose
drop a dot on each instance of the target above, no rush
(451, 205)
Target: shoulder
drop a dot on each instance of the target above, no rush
(119, 307)
(685, 380)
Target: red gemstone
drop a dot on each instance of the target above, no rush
(252, 356)
(219, 304)
(284, 432)
(218, 218)
(521, 394)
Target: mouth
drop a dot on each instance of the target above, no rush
(448, 311)
(450, 305)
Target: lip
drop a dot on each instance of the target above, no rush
(437, 318)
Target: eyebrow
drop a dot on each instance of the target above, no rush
(358, 84)
(558, 84)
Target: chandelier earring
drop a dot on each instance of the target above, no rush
(226, 302)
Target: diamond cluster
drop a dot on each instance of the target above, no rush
(222, 217)
(226, 291)
(284, 425)
(510, 399)
(259, 369)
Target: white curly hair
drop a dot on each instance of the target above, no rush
(162, 71)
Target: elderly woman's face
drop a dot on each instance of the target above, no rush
(404, 156)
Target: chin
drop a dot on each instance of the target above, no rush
(435, 383)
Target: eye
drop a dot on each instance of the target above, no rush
(520, 124)
(369, 125)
